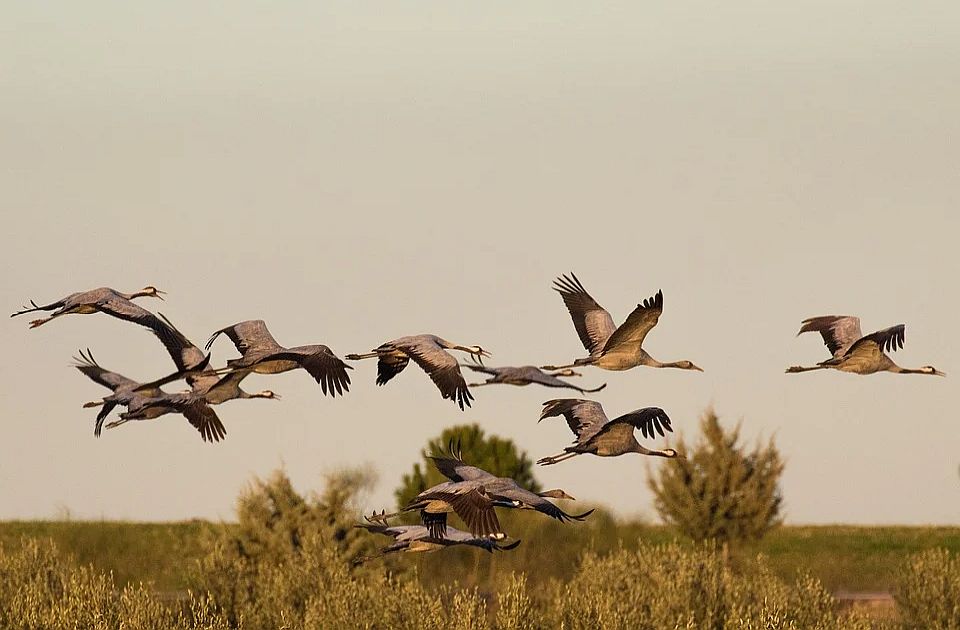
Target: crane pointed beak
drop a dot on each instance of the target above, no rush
(939, 373)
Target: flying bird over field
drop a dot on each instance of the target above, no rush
(148, 404)
(855, 352)
(430, 353)
(263, 355)
(526, 375)
(473, 493)
(598, 435)
(612, 347)
(102, 300)
(192, 364)
(417, 538)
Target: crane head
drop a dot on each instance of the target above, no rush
(670, 453)
(269, 394)
(556, 494)
(929, 369)
(152, 291)
(688, 365)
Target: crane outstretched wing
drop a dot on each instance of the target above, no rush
(635, 328)
(839, 332)
(442, 367)
(593, 323)
(248, 336)
(650, 421)
(389, 365)
(584, 417)
(204, 419)
(185, 354)
(452, 466)
(548, 380)
(888, 339)
(124, 309)
(92, 370)
(322, 364)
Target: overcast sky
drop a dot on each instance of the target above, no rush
(355, 172)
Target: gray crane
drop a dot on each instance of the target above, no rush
(204, 381)
(147, 404)
(260, 353)
(430, 353)
(598, 435)
(102, 300)
(612, 347)
(417, 538)
(526, 375)
(855, 352)
(473, 493)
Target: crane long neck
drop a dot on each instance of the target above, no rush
(902, 370)
(667, 364)
(638, 448)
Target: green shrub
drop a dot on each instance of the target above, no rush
(719, 491)
(42, 589)
(928, 593)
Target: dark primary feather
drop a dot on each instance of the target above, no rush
(470, 503)
(436, 523)
(592, 322)
(320, 362)
(441, 366)
(193, 407)
(640, 322)
(888, 339)
(650, 421)
(389, 365)
(204, 419)
(476, 510)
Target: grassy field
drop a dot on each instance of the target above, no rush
(844, 558)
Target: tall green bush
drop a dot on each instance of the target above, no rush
(718, 490)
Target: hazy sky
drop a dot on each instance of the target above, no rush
(354, 172)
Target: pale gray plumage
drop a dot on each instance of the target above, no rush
(527, 375)
(260, 353)
(612, 347)
(417, 538)
(102, 300)
(430, 353)
(192, 364)
(473, 493)
(146, 404)
(854, 352)
(598, 435)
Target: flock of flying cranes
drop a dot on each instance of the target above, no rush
(471, 493)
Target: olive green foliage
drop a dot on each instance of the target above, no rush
(288, 564)
(279, 534)
(928, 593)
(498, 456)
(42, 589)
(718, 490)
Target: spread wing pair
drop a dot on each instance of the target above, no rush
(261, 353)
